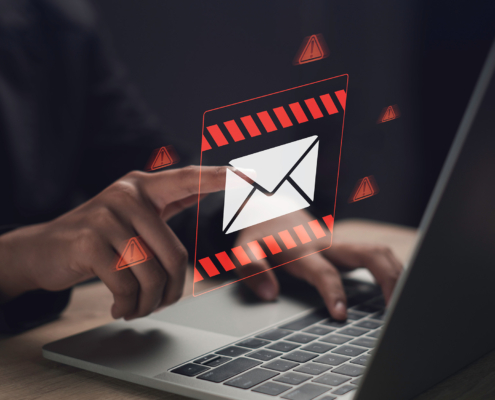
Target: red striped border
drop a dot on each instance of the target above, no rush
(253, 251)
(265, 121)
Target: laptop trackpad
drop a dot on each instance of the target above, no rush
(234, 311)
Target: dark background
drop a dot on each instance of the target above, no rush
(190, 56)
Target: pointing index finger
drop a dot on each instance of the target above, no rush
(168, 186)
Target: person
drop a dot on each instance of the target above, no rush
(70, 125)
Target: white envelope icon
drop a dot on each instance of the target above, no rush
(284, 182)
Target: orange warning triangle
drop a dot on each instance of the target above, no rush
(312, 51)
(365, 190)
(162, 159)
(389, 114)
(133, 254)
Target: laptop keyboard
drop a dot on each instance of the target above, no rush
(313, 357)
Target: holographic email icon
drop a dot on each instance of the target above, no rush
(270, 183)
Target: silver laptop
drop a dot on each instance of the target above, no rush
(224, 345)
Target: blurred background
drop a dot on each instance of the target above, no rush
(190, 56)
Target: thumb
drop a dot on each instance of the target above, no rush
(260, 279)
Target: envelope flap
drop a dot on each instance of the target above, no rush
(272, 165)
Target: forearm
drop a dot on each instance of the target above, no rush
(16, 252)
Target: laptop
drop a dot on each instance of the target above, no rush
(224, 345)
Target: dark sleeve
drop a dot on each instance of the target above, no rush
(31, 309)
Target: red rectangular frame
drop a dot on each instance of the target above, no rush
(201, 163)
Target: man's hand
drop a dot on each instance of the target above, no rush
(320, 269)
(84, 242)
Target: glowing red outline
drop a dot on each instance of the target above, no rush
(138, 241)
(169, 151)
(395, 110)
(372, 185)
(336, 187)
(320, 43)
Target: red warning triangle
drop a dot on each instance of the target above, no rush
(389, 114)
(312, 51)
(162, 159)
(365, 190)
(133, 254)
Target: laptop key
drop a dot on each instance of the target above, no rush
(271, 388)
(232, 351)
(349, 351)
(263, 355)
(274, 334)
(361, 360)
(349, 370)
(318, 330)
(353, 331)
(334, 323)
(344, 389)
(327, 397)
(335, 339)
(331, 359)
(299, 356)
(301, 338)
(307, 391)
(217, 361)
(205, 358)
(369, 324)
(357, 381)
(355, 315)
(190, 369)
(229, 370)
(251, 378)
(253, 343)
(364, 342)
(283, 346)
(317, 347)
(312, 368)
(280, 365)
(331, 379)
(292, 378)
(306, 321)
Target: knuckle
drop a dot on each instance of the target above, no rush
(135, 176)
(88, 241)
(103, 216)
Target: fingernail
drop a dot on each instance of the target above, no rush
(266, 290)
(340, 309)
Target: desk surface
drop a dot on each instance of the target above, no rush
(25, 374)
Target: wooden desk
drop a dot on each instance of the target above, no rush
(25, 374)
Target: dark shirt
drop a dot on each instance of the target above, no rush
(70, 124)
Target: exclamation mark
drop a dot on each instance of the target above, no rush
(312, 44)
(132, 251)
